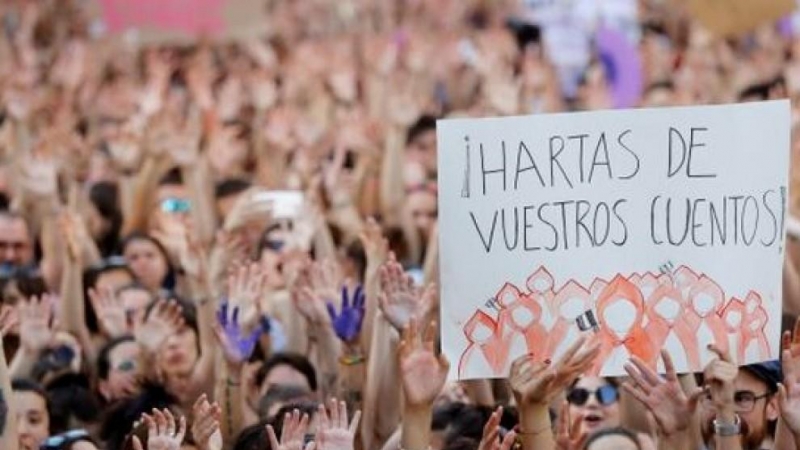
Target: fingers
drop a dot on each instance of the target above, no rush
(334, 408)
(669, 367)
(137, 444)
(509, 440)
(181, 429)
(273, 440)
(354, 423)
(721, 354)
(637, 393)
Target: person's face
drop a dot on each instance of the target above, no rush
(135, 302)
(16, 246)
(179, 353)
(594, 414)
(423, 150)
(613, 442)
(754, 415)
(122, 372)
(33, 422)
(113, 280)
(284, 375)
(147, 263)
(424, 211)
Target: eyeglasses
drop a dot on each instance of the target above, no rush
(65, 439)
(606, 395)
(126, 366)
(745, 401)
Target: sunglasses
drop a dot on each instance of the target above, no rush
(606, 395)
(65, 440)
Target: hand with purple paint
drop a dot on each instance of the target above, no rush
(237, 346)
(347, 323)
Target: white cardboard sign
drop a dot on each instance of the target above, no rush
(647, 229)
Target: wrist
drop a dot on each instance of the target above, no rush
(534, 418)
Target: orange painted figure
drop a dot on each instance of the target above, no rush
(569, 303)
(485, 348)
(753, 327)
(705, 300)
(520, 315)
(617, 327)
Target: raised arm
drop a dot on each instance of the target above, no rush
(8, 415)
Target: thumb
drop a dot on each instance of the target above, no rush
(694, 398)
(137, 444)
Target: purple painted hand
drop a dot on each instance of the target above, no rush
(347, 324)
(236, 346)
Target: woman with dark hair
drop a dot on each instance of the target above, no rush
(149, 262)
(104, 217)
(33, 413)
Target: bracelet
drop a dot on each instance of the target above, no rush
(231, 382)
(520, 432)
(351, 360)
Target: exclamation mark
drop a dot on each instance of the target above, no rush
(465, 187)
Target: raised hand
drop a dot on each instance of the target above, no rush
(35, 330)
(672, 409)
(8, 319)
(789, 390)
(376, 246)
(347, 323)
(334, 432)
(538, 383)
(165, 319)
(205, 427)
(491, 434)
(422, 372)
(162, 433)
(237, 345)
(720, 376)
(293, 435)
(110, 312)
(568, 436)
(247, 287)
(400, 300)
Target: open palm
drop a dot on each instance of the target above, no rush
(423, 373)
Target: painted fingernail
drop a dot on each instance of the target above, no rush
(547, 361)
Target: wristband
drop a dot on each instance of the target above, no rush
(351, 360)
(728, 429)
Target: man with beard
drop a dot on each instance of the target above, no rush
(756, 407)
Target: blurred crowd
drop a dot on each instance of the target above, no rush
(233, 245)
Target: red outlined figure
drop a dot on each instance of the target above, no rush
(734, 317)
(618, 328)
(569, 302)
(520, 316)
(541, 282)
(753, 328)
(665, 309)
(636, 314)
(485, 347)
(705, 300)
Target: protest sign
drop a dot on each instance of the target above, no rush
(646, 229)
(183, 21)
(732, 17)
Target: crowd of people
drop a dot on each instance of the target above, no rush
(161, 287)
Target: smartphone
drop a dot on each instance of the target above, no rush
(176, 205)
(285, 204)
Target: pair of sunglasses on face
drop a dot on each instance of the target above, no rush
(606, 395)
